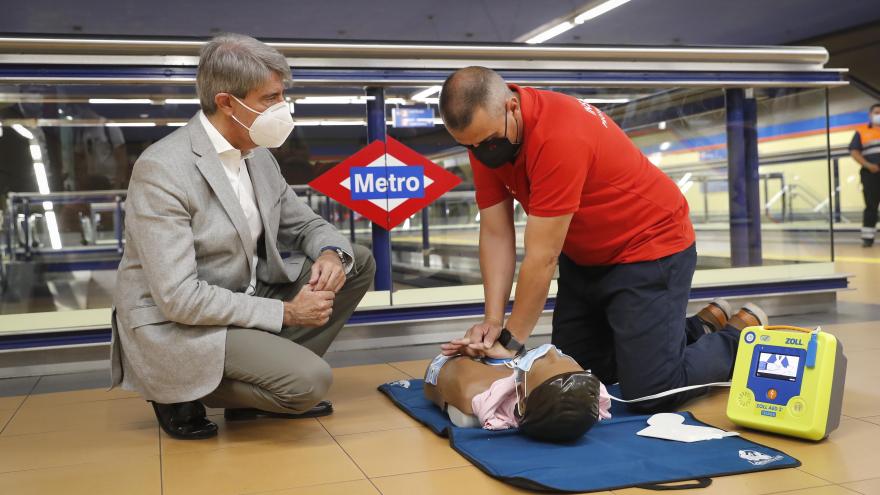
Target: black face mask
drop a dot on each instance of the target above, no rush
(496, 152)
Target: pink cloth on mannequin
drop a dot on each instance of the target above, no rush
(494, 407)
(604, 402)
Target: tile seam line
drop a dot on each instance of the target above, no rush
(358, 466)
(56, 466)
(14, 435)
(11, 418)
(161, 461)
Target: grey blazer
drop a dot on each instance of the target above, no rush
(186, 265)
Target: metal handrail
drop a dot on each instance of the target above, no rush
(116, 197)
(813, 154)
(324, 63)
(67, 195)
(796, 55)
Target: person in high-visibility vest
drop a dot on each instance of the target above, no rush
(865, 150)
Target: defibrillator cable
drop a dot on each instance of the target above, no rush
(810, 354)
(671, 392)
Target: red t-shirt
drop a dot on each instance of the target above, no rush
(575, 159)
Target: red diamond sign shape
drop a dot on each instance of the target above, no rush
(386, 182)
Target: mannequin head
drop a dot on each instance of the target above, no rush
(556, 399)
(559, 401)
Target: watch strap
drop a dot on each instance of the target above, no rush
(507, 341)
(338, 250)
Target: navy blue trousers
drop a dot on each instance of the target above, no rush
(628, 323)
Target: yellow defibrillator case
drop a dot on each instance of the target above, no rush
(788, 380)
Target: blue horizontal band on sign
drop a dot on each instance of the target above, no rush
(72, 266)
(770, 288)
(64, 252)
(392, 315)
(420, 313)
(94, 71)
(815, 124)
(55, 339)
(396, 315)
(432, 75)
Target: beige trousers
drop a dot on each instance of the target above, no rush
(285, 372)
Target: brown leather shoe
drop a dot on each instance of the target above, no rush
(715, 315)
(750, 315)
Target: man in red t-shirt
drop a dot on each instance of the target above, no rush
(618, 228)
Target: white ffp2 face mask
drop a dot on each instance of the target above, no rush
(875, 119)
(271, 127)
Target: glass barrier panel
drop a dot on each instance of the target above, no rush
(82, 141)
(795, 194)
(66, 156)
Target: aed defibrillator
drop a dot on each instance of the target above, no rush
(788, 380)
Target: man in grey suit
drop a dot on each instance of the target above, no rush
(230, 288)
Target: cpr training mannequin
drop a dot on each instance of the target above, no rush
(543, 392)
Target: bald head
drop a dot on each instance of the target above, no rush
(468, 90)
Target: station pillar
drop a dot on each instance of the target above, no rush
(381, 237)
(743, 178)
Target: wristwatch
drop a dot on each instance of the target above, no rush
(511, 344)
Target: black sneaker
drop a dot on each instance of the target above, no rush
(866, 243)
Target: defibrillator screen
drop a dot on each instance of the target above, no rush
(777, 366)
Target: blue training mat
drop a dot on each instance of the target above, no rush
(610, 456)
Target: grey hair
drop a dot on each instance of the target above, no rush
(235, 64)
(468, 89)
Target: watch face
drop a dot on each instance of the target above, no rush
(504, 338)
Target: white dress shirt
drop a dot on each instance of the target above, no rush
(237, 173)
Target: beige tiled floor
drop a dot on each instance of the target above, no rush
(402, 451)
(135, 476)
(11, 403)
(96, 442)
(867, 487)
(366, 415)
(5, 416)
(259, 467)
(101, 415)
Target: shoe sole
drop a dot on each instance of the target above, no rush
(201, 436)
(253, 416)
(724, 306)
(757, 312)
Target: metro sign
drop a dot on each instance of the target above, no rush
(386, 182)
